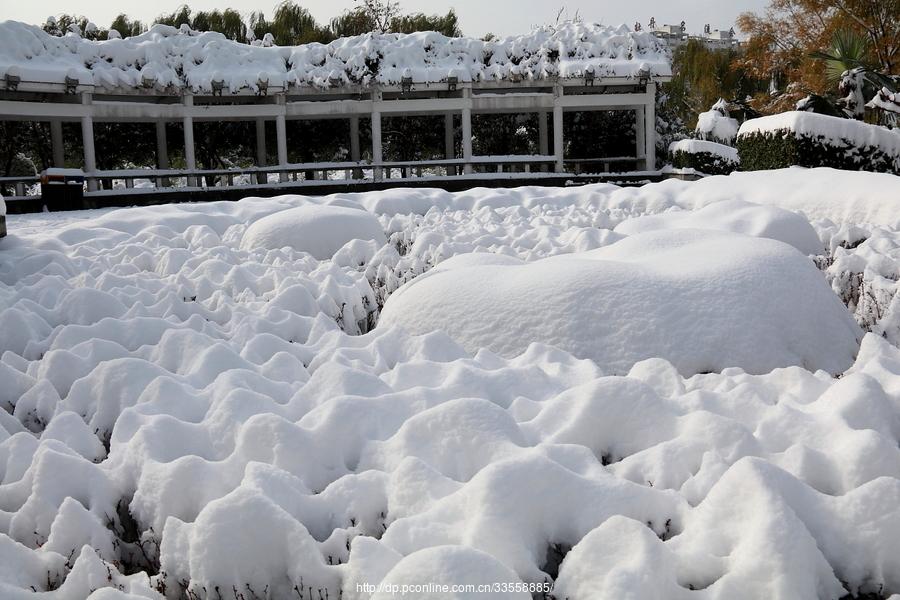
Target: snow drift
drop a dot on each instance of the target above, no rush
(703, 300)
(317, 229)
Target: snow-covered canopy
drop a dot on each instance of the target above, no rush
(168, 57)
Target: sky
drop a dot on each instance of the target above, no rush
(477, 17)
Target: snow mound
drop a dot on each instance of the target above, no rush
(703, 300)
(319, 230)
(736, 216)
(169, 57)
(442, 572)
(696, 146)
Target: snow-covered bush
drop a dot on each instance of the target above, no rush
(705, 157)
(704, 300)
(715, 125)
(815, 140)
(317, 229)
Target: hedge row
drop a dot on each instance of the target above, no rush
(785, 148)
(703, 162)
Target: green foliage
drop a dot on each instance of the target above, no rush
(703, 162)
(781, 149)
(702, 75)
(126, 27)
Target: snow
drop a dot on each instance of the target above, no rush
(319, 230)
(201, 415)
(827, 129)
(703, 300)
(695, 146)
(165, 56)
(715, 125)
(738, 216)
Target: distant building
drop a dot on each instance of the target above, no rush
(677, 35)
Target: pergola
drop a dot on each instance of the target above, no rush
(548, 95)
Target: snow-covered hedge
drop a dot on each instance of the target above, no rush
(814, 140)
(715, 125)
(706, 157)
(168, 58)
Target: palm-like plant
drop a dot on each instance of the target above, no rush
(848, 65)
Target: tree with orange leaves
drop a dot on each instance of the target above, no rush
(782, 40)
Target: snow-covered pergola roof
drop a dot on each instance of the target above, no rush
(181, 60)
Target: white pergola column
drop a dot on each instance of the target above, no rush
(354, 145)
(543, 136)
(640, 136)
(467, 129)
(558, 142)
(162, 146)
(56, 142)
(87, 140)
(281, 140)
(449, 145)
(377, 155)
(650, 126)
(188, 123)
(261, 149)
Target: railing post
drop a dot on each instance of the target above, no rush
(261, 178)
(467, 129)
(377, 156)
(281, 139)
(558, 142)
(188, 122)
(87, 140)
(56, 141)
(650, 126)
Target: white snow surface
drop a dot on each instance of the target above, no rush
(319, 230)
(702, 300)
(738, 216)
(829, 130)
(172, 402)
(690, 146)
(166, 57)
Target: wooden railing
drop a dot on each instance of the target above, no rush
(120, 180)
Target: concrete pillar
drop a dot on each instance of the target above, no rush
(640, 136)
(281, 140)
(87, 140)
(377, 156)
(558, 142)
(467, 130)
(188, 124)
(162, 146)
(650, 127)
(354, 145)
(261, 150)
(56, 141)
